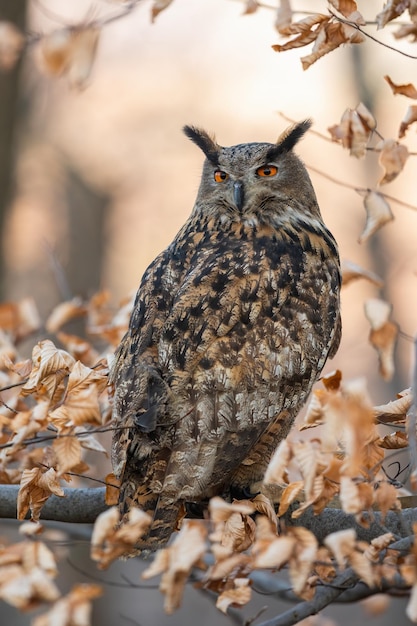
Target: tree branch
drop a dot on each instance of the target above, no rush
(79, 506)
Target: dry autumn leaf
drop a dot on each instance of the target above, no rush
(81, 402)
(354, 130)
(36, 486)
(20, 319)
(70, 52)
(110, 540)
(74, 609)
(392, 158)
(341, 544)
(283, 16)
(112, 489)
(383, 334)
(63, 313)
(405, 90)
(391, 10)
(175, 562)
(409, 118)
(50, 366)
(251, 6)
(345, 7)
(278, 464)
(239, 595)
(378, 213)
(396, 410)
(352, 271)
(394, 441)
(159, 6)
(302, 561)
(269, 550)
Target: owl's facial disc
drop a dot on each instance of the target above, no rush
(238, 194)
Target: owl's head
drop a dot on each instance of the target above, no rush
(254, 179)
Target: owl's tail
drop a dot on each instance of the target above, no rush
(164, 512)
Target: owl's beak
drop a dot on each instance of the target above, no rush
(238, 194)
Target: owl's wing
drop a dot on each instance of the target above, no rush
(245, 339)
(140, 389)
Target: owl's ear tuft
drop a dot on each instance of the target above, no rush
(289, 138)
(206, 143)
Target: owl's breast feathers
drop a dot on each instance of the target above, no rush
(229, 331)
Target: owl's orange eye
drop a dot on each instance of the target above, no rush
(220, 176)
(267, 170)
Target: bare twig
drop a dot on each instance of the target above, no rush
(323, 597)
(369, 36)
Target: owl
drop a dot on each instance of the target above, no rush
(231, 326)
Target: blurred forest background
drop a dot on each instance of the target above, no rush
(95, 182)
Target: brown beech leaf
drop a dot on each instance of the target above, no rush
(396, 410)
(49, 367)
(283, 16)
(110, 540)
(238, 533)
(352, 271)
(350, 418)
(270, 551)
(79, 348)
(36, 486)
(251, 6)
(20, 318)
(311, 464)
(383, 334)
(12, 42)
(406, 30)
(175, 562)
(391, 10)
(278, 464)
(239, 595)
(377, 545)
(263, 506)
(378, 213)
(303, 558)
(220, 510)
(411, 610)
(405, 90)
(394, 441)
(363, 568)
(386, 497)
(159, 6)
(306, 31)
(409, 118)
(63, 313)
(70, 51)
(81, 403)
(68, 453)
(315, 414)
(345, 7)
(332, 380)
(331, 36)
(392, 158)
(354, 130)
(112, 489)
(341, 543)
(290, 495)
(355, 497)
(74, 609)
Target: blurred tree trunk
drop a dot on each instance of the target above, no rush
(13, 11)
(87, 212)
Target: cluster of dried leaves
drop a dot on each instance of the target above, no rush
(53, 404)
(246, 535)
(51, 407)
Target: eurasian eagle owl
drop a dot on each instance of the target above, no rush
(231, 326)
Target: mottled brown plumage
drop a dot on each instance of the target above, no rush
(231, 326)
